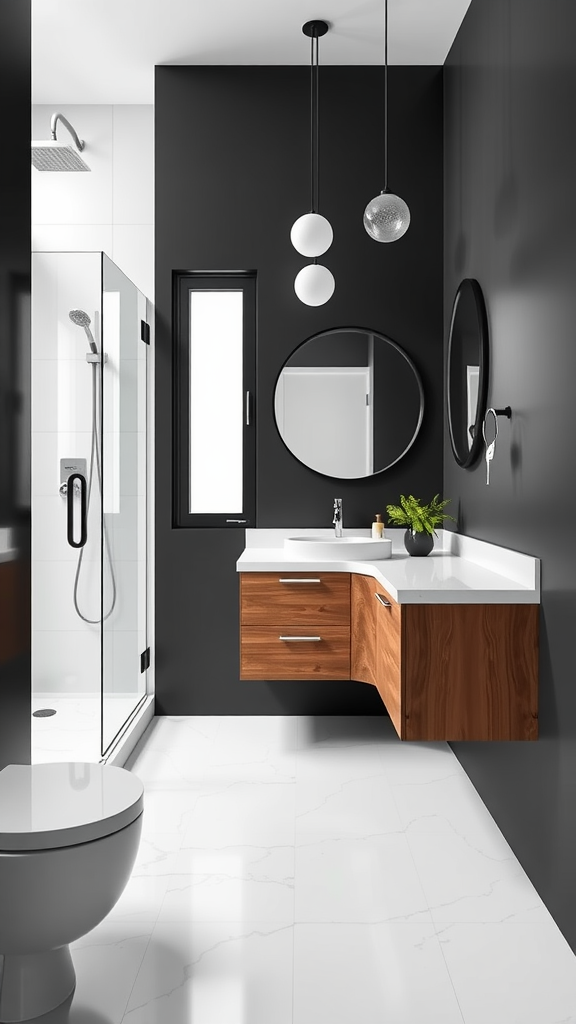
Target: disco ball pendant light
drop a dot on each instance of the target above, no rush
(311, 234)
(386, 217)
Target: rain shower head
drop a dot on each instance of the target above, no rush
(81, 319)
(57, 156)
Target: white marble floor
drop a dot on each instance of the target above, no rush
(300, 870)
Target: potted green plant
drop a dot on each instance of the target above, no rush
(421, 521)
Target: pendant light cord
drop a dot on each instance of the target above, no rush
(385, 95)
(314, 189)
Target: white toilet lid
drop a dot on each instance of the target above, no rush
(43, 806)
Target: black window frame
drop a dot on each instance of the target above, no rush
(184, 282)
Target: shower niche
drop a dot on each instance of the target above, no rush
(89, 571)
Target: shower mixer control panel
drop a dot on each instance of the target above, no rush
(67, 467)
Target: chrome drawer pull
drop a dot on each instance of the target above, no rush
(387, 604)
(305, 639)
(299, 581)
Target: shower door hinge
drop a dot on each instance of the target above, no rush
(145, 332)
(145, 660)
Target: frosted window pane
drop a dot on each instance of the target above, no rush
(216, 401)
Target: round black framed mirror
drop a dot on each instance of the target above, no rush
(348, 403)
(467, 372)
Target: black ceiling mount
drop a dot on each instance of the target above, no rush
(315, 29)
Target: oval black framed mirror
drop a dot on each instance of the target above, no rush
(348, 403)
(467, 372)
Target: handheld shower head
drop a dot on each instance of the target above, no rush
(81, 319)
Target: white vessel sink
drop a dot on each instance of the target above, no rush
(361, 549)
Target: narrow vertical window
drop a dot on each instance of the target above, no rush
(214, 365)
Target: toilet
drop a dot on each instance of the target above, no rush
(69, 835)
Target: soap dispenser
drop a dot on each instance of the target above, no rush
(377, 527)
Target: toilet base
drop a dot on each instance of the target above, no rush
(34, 983)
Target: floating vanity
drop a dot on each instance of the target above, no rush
(450, 641)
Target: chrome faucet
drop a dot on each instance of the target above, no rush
(337, 517)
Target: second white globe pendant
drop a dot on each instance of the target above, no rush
(314, 284)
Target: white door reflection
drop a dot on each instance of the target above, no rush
(325, 417)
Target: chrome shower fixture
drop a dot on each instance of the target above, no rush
(52, 155)
(81, 319)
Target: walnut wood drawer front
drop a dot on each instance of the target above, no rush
(295, 652)
(295, 597)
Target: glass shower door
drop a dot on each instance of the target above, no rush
(123, 535)
(66, 506)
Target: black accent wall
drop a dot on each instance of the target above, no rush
(15, 244)
(232, 175)
(510, 222)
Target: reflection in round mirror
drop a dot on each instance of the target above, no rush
(467, 384)
(348, 403)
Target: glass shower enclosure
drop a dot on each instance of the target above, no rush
(89, 533)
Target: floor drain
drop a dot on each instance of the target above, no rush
(44, 713)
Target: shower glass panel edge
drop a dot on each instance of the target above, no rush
(124, 504)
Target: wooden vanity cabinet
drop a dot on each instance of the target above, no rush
(443, 671)
(448, 671)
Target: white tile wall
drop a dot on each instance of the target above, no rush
(72, 237)
(133, 165)
(68, 197)
(131, 243)
(110, 208)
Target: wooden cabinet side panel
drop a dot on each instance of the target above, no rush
(363, 629)
(389, 659)
(471, 672)
(263, 599)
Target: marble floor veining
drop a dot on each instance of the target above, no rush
(299, 870)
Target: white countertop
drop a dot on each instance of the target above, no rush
(460, 570)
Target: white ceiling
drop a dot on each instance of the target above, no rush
(104, 51)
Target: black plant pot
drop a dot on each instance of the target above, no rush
(418, 543)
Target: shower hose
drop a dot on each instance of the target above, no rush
(95, 458)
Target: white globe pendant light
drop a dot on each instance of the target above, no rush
(314, 284)
(387, 216)
(312, 234)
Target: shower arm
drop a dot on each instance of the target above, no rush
(60, 117)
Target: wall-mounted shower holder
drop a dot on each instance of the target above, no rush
(67, 468)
